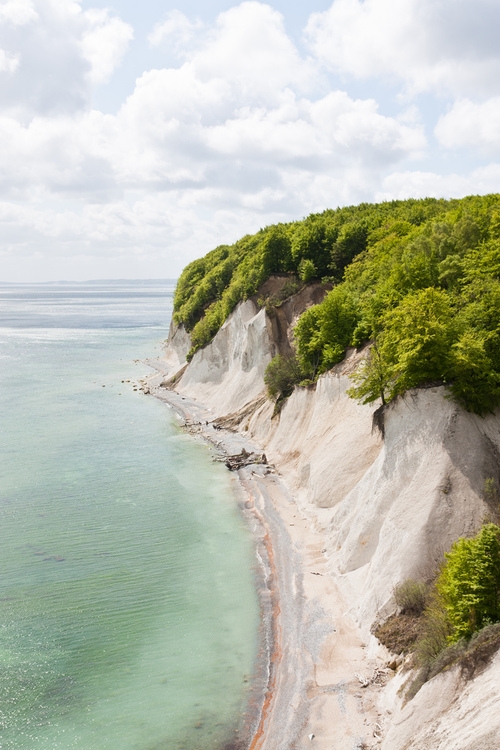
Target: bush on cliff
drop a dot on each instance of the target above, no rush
(282, 374)
(466, 593)
(457, 620)
(411, 597)
(469, 583)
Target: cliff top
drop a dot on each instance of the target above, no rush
(418, 278)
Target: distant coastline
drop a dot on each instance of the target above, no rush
(89, 282)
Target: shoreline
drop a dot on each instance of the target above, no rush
(322, 679)
(195, 421)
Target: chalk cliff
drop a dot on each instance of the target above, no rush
(388, 495)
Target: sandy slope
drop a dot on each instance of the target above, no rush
(349, 515)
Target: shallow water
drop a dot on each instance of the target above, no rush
(128, 617)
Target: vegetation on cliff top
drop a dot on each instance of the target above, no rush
(420, 279)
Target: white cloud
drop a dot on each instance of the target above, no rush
(17, 12)
(242, 132)
(402, 185)
(429, 45)
(177, 30)
(361, 37)
(471, 125)
(54, 53)
(51, 69)
(250, 50)
(104, 43)
(243, 110)
(8, 63)
(334, 127)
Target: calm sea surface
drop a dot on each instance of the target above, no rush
(128, 614)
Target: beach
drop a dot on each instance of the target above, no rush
(320, 678)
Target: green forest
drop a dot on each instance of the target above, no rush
(418, 279)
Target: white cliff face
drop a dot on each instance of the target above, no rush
(424, 490)
(229, 372)
(450, 713)
(322, 441)
(178, 346)
(391, 506)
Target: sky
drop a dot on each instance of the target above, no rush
(137, 136)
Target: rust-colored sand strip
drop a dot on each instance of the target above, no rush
(276, 654)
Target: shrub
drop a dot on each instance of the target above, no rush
(411, 597)
(461, 616)
(276, 251)
(324, 331)
(434, 633)
(491, 492)
(416, 342)
(307, 270)
(282, 374)
(481, 647)
(350, 241)
(469, 583)
(472, 656)
(372, 379)
(476, 384)
(429, 646)
(401, 631)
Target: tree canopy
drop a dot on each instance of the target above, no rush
(469, 583)
(419, 279)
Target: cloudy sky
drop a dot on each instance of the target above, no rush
(136, 136)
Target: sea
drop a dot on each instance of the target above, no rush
(129, 617)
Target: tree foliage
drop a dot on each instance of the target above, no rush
(371, 380)
(469, 583)
(416, 341)
(282, 374)
(323, 332)
(307, 270)
(418, 279)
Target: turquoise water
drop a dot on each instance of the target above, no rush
(128, 613)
